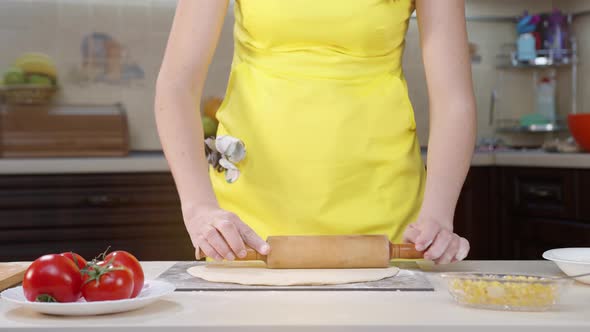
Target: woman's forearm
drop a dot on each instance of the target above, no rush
(181, 134)
(193, 38)
(447, 65)
(450, 149)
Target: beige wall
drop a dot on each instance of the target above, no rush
(57, 27)
(582, 28)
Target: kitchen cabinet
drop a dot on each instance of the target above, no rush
(543, 208)
(583, 194)
(87, 213)
(505, 213)
(475, 213)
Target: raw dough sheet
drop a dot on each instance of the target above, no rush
(409, 278)
(256, 273)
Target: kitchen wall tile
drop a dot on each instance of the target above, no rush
(141, 121)
(14, 45)
(162, 14)
(43, 34)
(105, 18)
(73, 15)
(15, 14)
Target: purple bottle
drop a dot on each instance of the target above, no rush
(557, 34)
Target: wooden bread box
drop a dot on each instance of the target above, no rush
(28, 131)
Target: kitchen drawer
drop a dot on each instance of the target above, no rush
(151, 249)
(584, 196)
(537, 192)
(86, 191)
(534, 236)
(140, 213)
(89, 217)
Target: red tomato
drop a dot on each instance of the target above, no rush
(129, 261)
(105, 282)
(52, 278)
(77, 259)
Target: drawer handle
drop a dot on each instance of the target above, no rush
(105, 200)
(543, 193)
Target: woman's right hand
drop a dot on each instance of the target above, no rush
(221, 234)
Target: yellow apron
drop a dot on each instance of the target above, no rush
(318, 96)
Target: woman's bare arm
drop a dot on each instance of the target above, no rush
(452, 126)
(192, 42)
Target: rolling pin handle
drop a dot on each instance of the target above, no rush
(405, 251)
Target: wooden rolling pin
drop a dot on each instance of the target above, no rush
(332, 252)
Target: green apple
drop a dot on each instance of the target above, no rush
(209, 126)
(42, 80)
(14, 76)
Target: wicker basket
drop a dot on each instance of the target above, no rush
(28, 94)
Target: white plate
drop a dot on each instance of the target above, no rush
(572, 261)
(152, 290)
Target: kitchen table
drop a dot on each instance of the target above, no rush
(325, 311)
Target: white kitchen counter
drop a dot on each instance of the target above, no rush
(155, 162)
(332, 311)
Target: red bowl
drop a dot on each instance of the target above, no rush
(579, 125)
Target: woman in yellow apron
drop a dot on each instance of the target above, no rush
(318, 99)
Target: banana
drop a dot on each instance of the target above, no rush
(37, 63)
(35, 55)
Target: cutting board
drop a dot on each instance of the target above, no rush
(11, 275)
(410, 278)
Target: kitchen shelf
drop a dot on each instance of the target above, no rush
(513, 126)
(532, 129)
(545, 59)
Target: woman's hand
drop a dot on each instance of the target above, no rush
(221, 234)
(437, 238)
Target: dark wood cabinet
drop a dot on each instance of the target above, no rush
(583, 195)
(505, 213)
(543, 208)
(140, 213)
(475, 213)
(534, 236)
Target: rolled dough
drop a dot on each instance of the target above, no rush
(255, 273)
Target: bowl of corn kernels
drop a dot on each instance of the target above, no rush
(505, 291)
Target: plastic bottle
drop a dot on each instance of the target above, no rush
(546, 99)
(557, 34)
(526, 48)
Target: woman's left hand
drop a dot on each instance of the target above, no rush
(436, 237)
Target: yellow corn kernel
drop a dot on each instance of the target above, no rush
(503, 292)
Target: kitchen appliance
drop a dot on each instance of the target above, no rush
(63, 131)
(10, 275)
(332, 252)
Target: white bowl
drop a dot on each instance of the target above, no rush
(572, 261)
(151, 292)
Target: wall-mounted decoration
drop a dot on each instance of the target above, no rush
(106, 60)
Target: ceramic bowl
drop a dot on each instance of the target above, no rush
(572, 261)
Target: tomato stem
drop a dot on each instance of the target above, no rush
(45, 298)
(102, 255)
(95, 271)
